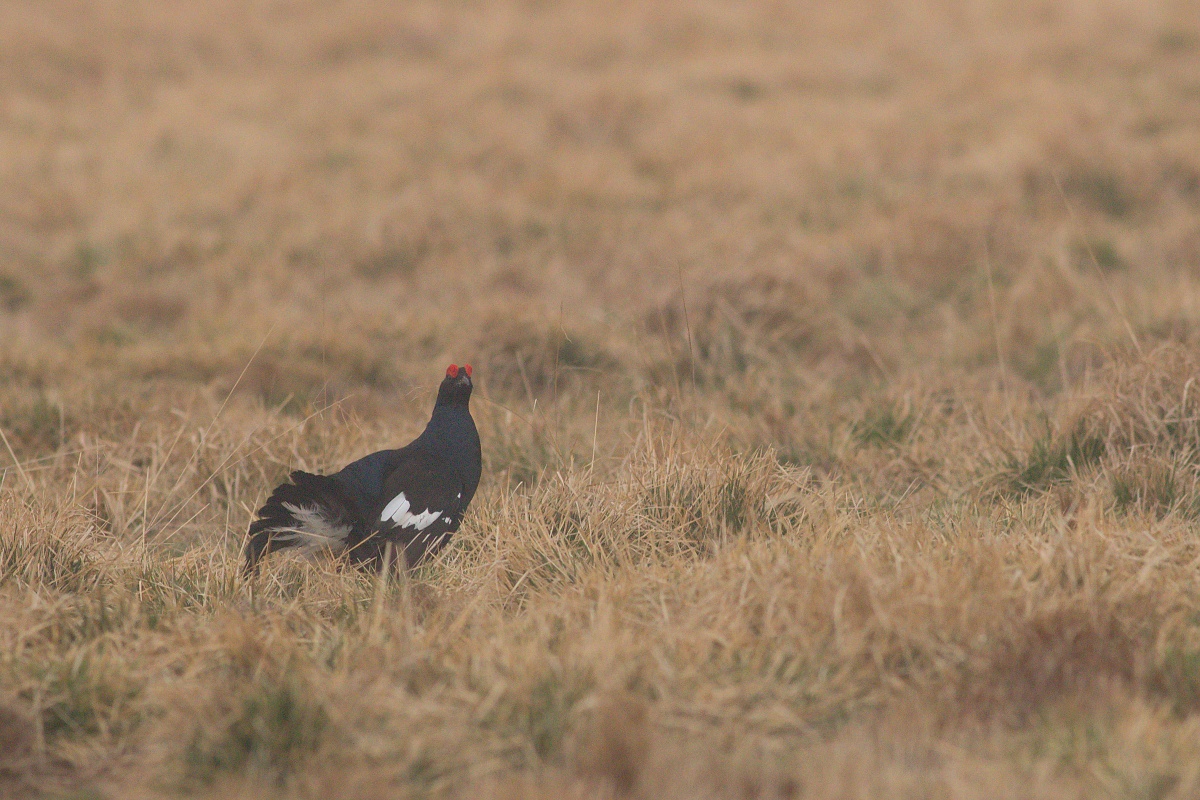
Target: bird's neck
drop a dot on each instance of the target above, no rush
(451, 435)
(449, 411)
(448, 420)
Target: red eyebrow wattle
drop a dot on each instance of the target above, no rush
(452, 371)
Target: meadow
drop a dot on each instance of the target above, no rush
(835, 369)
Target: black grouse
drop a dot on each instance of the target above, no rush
(412, 498)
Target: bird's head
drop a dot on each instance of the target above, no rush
(456, 386)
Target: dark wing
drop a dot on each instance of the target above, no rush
(364, 477)
(313, 512)
(421, 505)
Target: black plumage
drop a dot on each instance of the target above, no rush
(413, 498)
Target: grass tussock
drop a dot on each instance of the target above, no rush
(267, 730)
(836, 379)
(1136, 424)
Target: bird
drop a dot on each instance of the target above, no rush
(412, 498)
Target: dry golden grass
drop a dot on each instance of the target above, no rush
(836, 381)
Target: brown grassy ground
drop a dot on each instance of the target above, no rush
(836, 381)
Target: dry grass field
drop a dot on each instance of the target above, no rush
(836, 373)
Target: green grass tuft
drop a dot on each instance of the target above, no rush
(272, 731)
